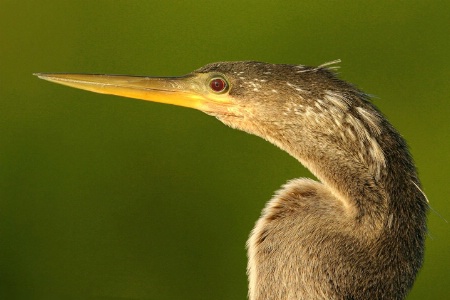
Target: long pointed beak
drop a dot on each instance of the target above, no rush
(182, 91)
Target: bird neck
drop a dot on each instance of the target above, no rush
(357, 229)
(369, 183)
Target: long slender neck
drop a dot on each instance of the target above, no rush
(355, 153)
(368, 237)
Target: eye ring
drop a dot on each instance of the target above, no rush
(218, 85)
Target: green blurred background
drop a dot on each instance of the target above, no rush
(104, 197)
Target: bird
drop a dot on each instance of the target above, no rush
(358, 231)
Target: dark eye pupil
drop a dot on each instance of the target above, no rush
(218, 84)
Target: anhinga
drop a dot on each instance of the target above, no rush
(359, 233)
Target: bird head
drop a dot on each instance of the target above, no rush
(246, 95)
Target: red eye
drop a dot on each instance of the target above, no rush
(218, 85)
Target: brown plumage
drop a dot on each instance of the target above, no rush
(358, 233)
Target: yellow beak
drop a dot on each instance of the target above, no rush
(189, 91)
